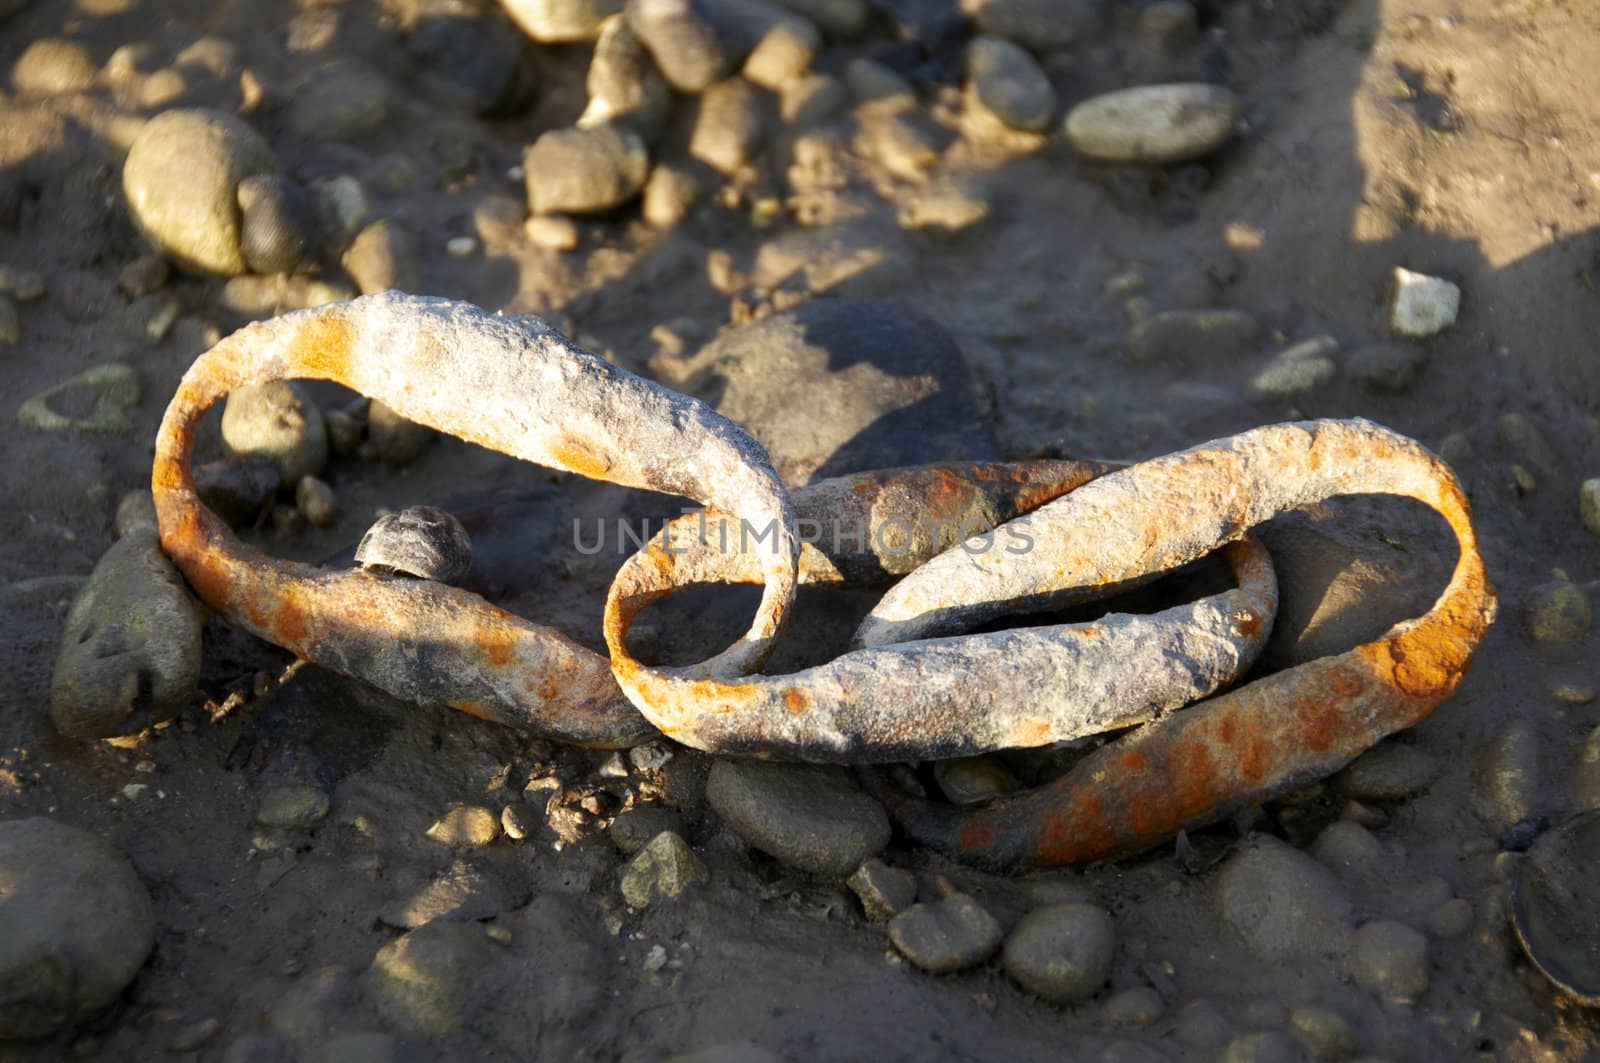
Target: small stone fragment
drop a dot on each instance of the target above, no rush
(1062, 952)
(514, 822)
(1506, 779)
(143, 276)
(664, 869)
(783, 54)
(237, 489)
(811, 817)
(1006, 84)
(275, 230)
(180, 181)
(280, 423)
(553, 232)
(885, 891)
(1391, 960)
(1192, 337)
(399, 442)
(1420, 305)
(584, 171)
(728, 127)
(423, 542)
(1282, 902)
(339, 101)
(471, 826)
(947, 935)
(1558, 611)
(1139, 1006)
(461, 246)
(316, 500)
(78, 926)
(623, 83)
(292, 806)
(1154, 124)
(1298, 370)
(383, 258)
(1388, 368)
(53, 66)
(668, 196)
(683, 42)
(111, 388)
(632, 830)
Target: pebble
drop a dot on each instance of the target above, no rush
(665, 869)
(109, 390)
(424, 979)
(634, 829)
(339, 101)
(1558, 611)
(514, 822)
(1192, 337)
(143, 276)
(291, 806)
(584, 171)
(1586, 774)
(554, 232)
(461, 246)
(885, 891)
(275, 223)
(1506, 776)
(624, 85)
(1006, 83)
(1298, 370)
(1519, 435)
(129, 655)
(180, 181)
(1451, 918)
(728, 126)
(684, 43)
(1589, 505)
(1324, 1031)
(237, 489)
(1039, 25)
(383, 257)
(1153, 124)
(784, 53)
(1139, 1006)
(1282, 902)
(1389, 771)
(1062, 952)
(52, 66)
(79, 925)
(476, 53)
(316, 501)
(10, 323)
(1262, 1046)
(280, 423)
(471, 826)
(398, 442)
(1388, 368)
(1351, 850)
(342, 207)
(136, 513)
(947, 935)
(1391, 960)
(163, 317)
(668, 195)
(811, 817)
(1420, 305)
(560, 21)
(974, 780)
(420, 541)
(893, 383)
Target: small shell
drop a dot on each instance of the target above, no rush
(1553, 902)
(422, 541)
(275, 223)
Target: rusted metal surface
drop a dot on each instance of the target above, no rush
(940, 697)
(1262, 739)
(511, 384)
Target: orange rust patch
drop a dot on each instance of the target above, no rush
(1030, 733)
(321, 347)
(583, 458)
(472, 708)
(289, 623)
(976, 835)
(1133, 760)
(796, 701)
(1248, 623)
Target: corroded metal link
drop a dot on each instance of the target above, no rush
(1250, 744)
(511, 384)
(942, 697)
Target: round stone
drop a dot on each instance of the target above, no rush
(1282, 902)
(52, 66)
(280, 423)
(1155, 124)
(275, 225)
(584, 171)
(1007, 83)
(1391, 960)
(181, 179)
(291, 807)
(1062, 952)
(948, 935)
(809, 816)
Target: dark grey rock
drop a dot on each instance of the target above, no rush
(1062, 952)
(584, 171)
(1039, 25)
(638, 826)
(947, 935)
(130, 649)
(1007, 83)
(839, 385)
(811, 817)
(279, 422)
(276, 223)
(341, 100)
(1506, 776)
(75, 926)
(685, 44)
(1282, 902)
(396, 440)
(476, 51)
(237, 489)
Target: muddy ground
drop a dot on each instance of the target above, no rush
(1453, 138)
